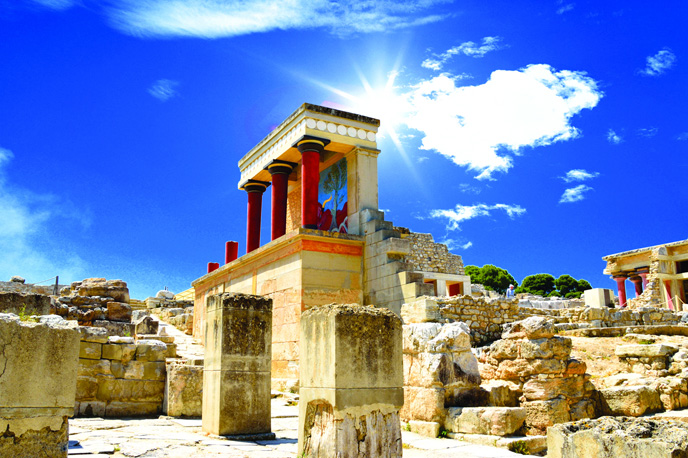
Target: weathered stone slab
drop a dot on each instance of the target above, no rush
(645, 351)
(184, 390)
(609, 437)
(630, 401)
(497, 421)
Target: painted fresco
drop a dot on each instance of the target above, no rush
(332, 199)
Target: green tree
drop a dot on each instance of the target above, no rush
(538, 284)
(566, 284)
(583, 285)
(491, 277)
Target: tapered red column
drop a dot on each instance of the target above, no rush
(621, 286)
(310, 149)
(255, 190)
(280, 171)
(643, 275)
(638, 283)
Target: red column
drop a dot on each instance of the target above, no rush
(231, 251)
(213, 266)
(255, 190)
(670, 300)
(643, 275)
(280, 171)
(621, 285)
(638, 283)
(310, 149)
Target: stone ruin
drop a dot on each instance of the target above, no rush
(95, 301)
(37, 392)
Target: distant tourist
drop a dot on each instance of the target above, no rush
(510, 291)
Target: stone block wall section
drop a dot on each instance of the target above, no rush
(95, 300)
(599, 317)
(388, 280)
(28, 288)
(28, 303)
(38, 364)
(121, 377)
(427, 256)
(184, 388)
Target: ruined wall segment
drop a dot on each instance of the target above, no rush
(38, 367)
(428, 256)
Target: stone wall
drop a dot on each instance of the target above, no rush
(24, 303)
(428, 256)
(30, 288)
(600, 317)
(121, 377)
(553, 387)
(95, 300)
(179, 314)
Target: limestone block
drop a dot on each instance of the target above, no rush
(425, 428)
(130, 390)
(90, 408)
(93, 334)
(28, 303)
(238, 344)
(631, 401)
(90, 350)
(93, 367)
(112, 351)
(609, 437)
(184, 390)
(441, 369)
(425, 404)
(436, 337)
(555, 347)
(86, 387)
(150, 350)
(542, 414)
(518, 368)
(423, 310)
(132, 409)
(498, 421)
(571, 387)
(139, 370)
(146, 325)
(647, 351)
(118, 311)
(505, 349)
(502, 393)
(598, 297)
(37, 386)
(534, 327)
(351, 382)
(116, 328)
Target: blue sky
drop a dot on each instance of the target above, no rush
(538, 136)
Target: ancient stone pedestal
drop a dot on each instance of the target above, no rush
(38, 366)
(236, 378)
(351, 382)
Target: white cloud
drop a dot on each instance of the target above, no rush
(659, 63)
(163, 89)
(579, 175)
(613, 137)
(422, 159)
(57, 4)
(682, 136)
(463, 213)
(468, 189)
(483, 126)
(574, 194)
(648, 132)
(468, 48)
(453, 244)
(218, 18)
(26, 220)
(565, 8)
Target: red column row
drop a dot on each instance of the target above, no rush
(311, 149)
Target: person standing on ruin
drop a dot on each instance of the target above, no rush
(510, 292)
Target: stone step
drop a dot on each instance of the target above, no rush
(534, 445)
(496, 421)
